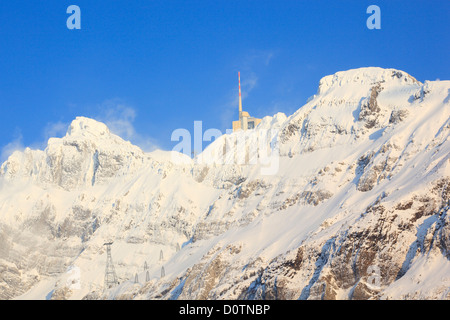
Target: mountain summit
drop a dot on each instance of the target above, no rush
(355, 205)
(88, 152)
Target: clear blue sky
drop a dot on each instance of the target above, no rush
(150, 67)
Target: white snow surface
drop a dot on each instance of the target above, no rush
(368, 136)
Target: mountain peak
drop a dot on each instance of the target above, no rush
(89, 153)
(86, 126)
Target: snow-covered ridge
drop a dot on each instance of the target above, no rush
(362, 184)
(366, 76)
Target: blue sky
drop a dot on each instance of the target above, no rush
(147, 68)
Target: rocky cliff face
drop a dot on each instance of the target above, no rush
(345, 199)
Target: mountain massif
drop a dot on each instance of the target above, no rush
(347, 198)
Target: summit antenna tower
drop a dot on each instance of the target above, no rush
(245, 121)
(240, 97)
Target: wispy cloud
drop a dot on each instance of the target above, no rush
(55, 130)
(257, 58)
(120, 117)
(15, 145)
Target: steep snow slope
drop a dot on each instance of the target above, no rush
(345, 199)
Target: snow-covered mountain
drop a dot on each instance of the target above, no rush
(345, 199)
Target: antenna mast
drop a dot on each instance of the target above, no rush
(240, 98)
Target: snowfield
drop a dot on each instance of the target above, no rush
(351, 203)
